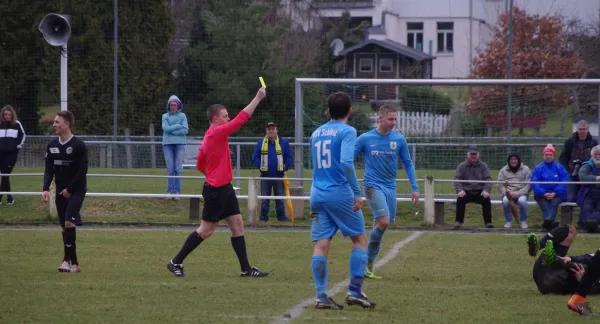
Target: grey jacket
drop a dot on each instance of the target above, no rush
(523, 174)
(586, 175)
(477, 171)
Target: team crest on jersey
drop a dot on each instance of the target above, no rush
(69, 150)
(393, 145)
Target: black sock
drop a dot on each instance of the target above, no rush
(592, 272)
(239, 246)
(66, 250)
(192, 242)
(70, 238)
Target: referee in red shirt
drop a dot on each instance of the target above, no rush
(220, 201)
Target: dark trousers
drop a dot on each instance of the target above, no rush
(276, 186)
(7, 163)
(486, 205)
(591, 206)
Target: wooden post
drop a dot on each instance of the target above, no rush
(52, 200)
(566, 215)
(429, 208)
(252, 202)
(439, 213)
(194, 210)
(128, 148)
(152, 147)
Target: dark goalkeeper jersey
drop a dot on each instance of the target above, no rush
(68, 164)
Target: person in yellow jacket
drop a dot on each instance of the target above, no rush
(273, 157)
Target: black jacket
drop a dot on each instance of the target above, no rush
(576, 149)
(12, 136)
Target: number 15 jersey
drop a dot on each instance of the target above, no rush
(332, 147)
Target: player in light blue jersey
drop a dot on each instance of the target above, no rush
(335, 202)
(381, 148)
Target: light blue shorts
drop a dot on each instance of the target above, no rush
(382, 202)
(328, 217)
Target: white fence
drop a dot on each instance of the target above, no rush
(418, 123)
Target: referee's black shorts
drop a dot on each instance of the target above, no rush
(69, 208)
(219, 202)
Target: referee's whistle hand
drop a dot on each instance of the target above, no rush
(45, 195)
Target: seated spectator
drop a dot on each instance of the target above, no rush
(589, 195)
(577, 149)
(514, 171)
(473, 192)
(549, 196)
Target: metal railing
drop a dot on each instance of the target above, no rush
(428, 198)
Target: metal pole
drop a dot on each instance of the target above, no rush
(115, 65)
(63, 77)
(509, 74)
(298, 132)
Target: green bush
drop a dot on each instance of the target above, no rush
(425, 99)
(472, 125)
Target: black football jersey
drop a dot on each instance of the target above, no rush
(68, 163)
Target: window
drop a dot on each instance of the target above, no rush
(414, 35)
(365, 65)
(386, 65)
(445, 37)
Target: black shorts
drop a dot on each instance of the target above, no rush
(69, 209)
(219, 203)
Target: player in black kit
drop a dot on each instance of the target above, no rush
(67, 163)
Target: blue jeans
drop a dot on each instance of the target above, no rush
(174, 161)
(549, 208)
(522, 201)
(265, 190)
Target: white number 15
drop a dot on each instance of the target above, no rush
(323, 154)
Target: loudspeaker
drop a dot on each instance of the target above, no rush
(56, 29)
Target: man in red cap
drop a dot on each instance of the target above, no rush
(549, 196)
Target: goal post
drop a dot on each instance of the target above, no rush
(501, 105)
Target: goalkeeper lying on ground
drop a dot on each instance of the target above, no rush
(553, 271)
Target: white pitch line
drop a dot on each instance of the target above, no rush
(298, 309)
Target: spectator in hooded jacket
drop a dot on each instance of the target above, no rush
(576, 151)
(12, 138)
(514, 171)
(549, 196)
(175, 130)
(590, 193)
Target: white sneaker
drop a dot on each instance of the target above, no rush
(64, 267)
(508, 225)
(176, 196)
(75, 268)
(170, 196)
(524, 225)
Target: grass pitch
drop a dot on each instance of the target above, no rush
(437, 278)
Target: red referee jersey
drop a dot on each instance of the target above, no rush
(214, 156)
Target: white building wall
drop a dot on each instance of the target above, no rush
(473, 20)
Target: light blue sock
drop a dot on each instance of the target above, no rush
(358, 264)
(319, 269)
(374, 243)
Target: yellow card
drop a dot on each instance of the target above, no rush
(262, 82)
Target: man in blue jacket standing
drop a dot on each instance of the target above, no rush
(273, 157)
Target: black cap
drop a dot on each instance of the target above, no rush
(473, 149)
(269, 124)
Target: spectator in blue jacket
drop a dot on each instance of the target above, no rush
(549, 196)
(175, 130)
(273, 157)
